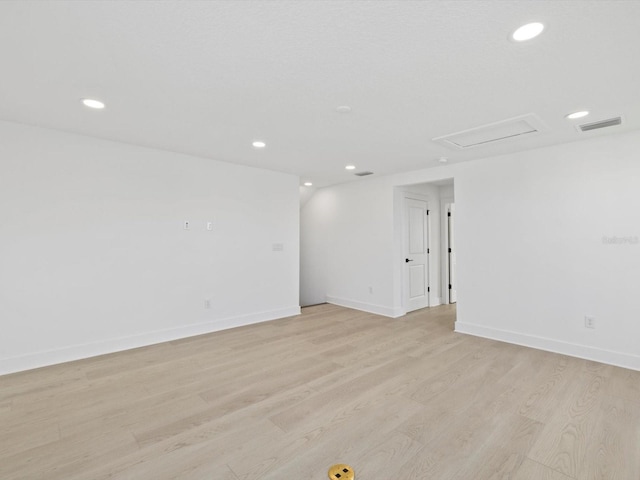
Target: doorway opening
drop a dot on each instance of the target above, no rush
(416, 252)
(426, 255)
(449, 233)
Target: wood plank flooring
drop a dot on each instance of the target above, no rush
(402, 399)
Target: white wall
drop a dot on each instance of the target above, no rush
(314, 220)
(94, 259)
(348, 247)
(531, 262)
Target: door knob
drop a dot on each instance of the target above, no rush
(406, 260)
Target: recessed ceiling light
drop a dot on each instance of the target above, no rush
(92, 103)
(344, 109)
(259, 144)
(527, 32)
(443, 159)
(308, 184)
(575, 115)
(350, 167)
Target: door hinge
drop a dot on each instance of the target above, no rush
(427, 212)
(428, 251)
(428, 289)
(449, 286)
(449, 249)
(448, 214)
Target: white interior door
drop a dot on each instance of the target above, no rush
(416, 258)
(452, 254)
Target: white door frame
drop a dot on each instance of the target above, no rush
(405, 222)
(446, 273)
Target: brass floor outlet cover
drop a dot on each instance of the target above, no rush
(341, 472)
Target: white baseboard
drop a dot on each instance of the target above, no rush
(77, 352)
(367, 307)
(619, 359)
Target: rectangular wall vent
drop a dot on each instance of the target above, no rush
(363, 174)
(517, 127)
(611, 122)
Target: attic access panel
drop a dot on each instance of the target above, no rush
(509, 129)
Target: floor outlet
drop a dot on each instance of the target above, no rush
(589, 322)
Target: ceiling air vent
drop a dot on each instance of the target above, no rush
(363, 174)
(611, 122)
(517, 127)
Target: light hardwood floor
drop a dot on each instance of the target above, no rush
(396, 399)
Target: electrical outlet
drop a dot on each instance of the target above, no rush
(589, 322)
(209, 226)
(207, 304)
(370, 289)
(185, 225)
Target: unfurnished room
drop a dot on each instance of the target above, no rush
(307, 239)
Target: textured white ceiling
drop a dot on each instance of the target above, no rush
(207, 78)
